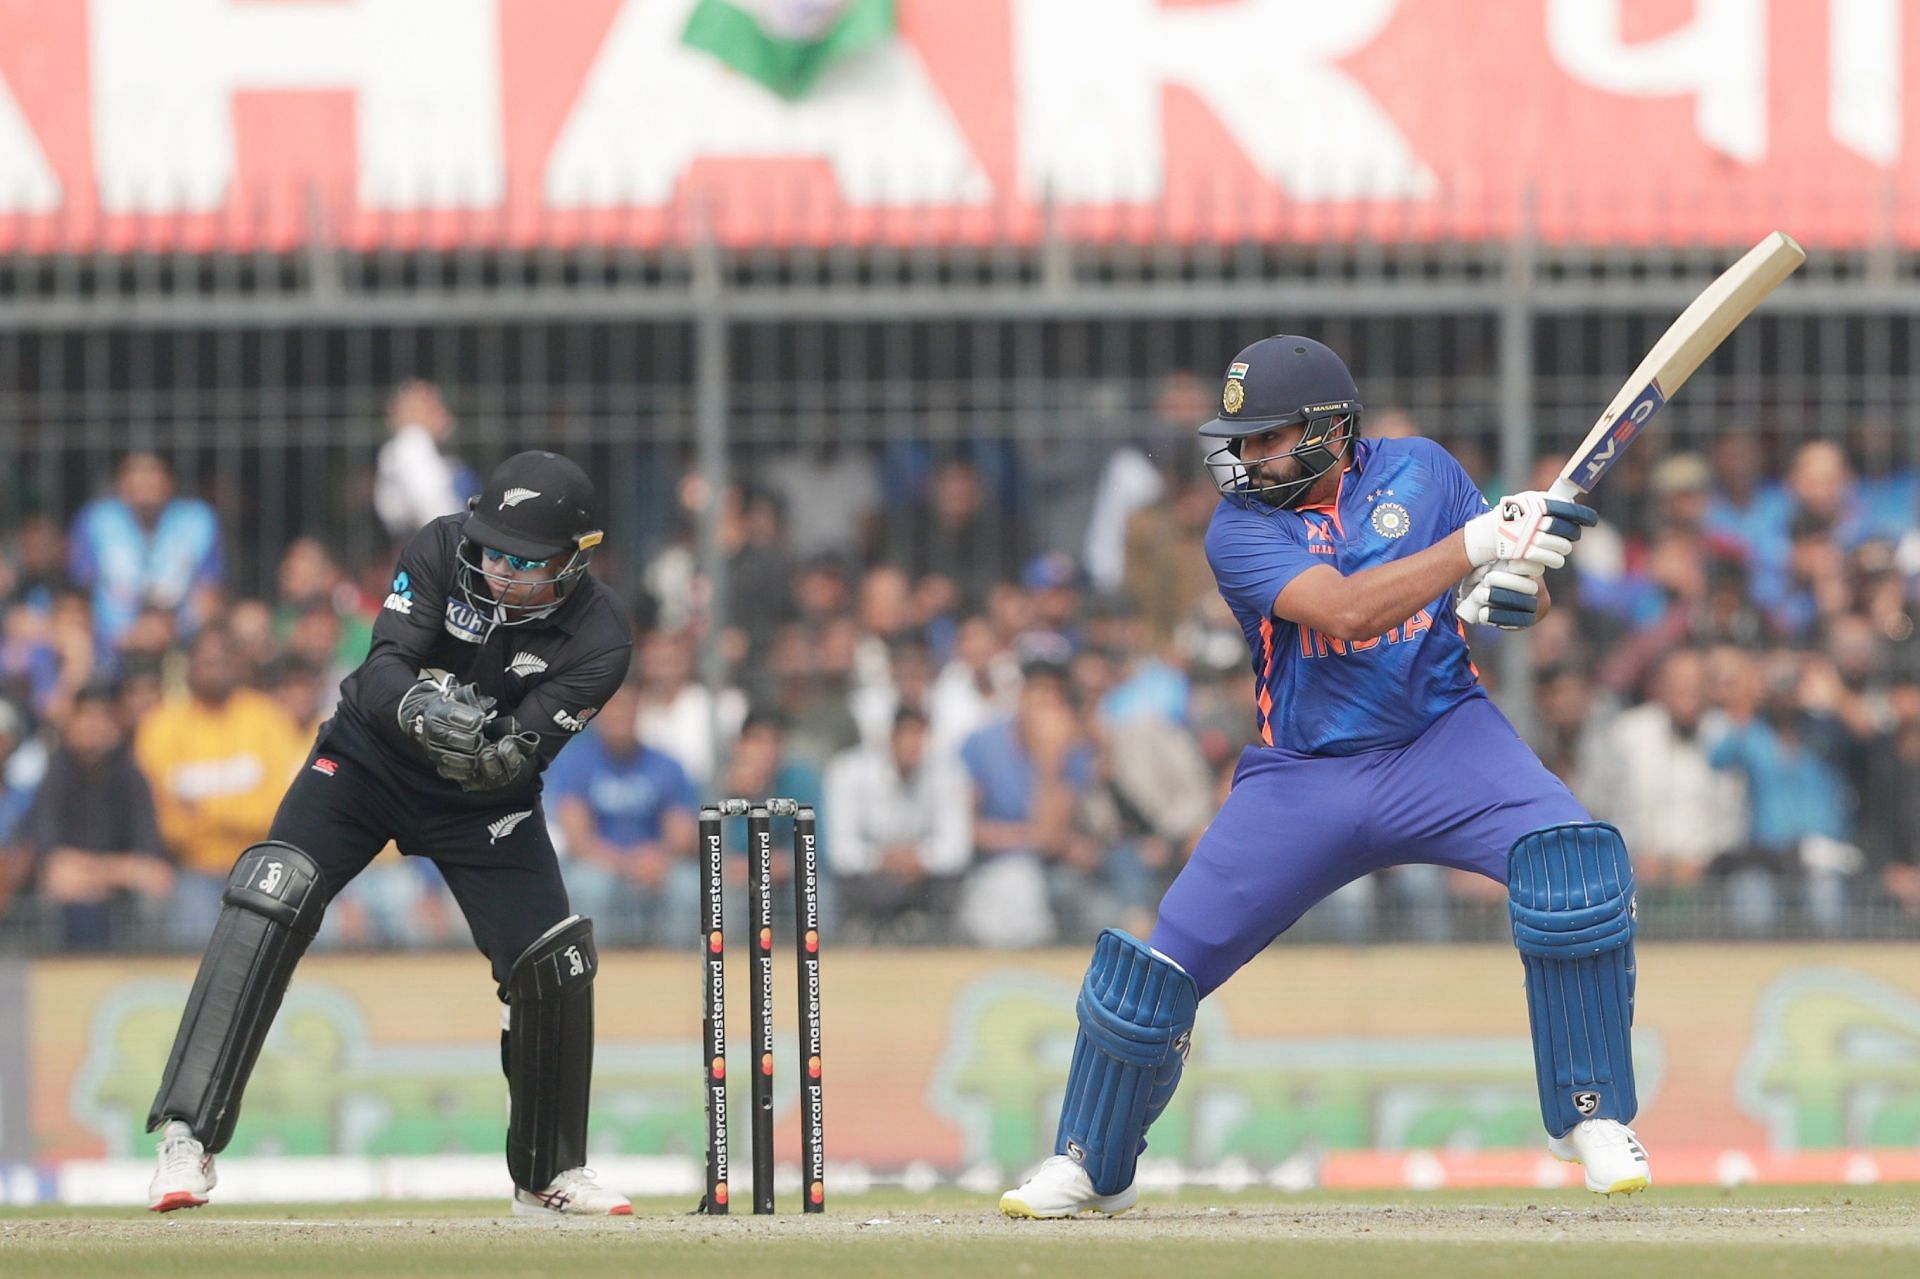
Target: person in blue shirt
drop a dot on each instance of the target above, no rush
(1792, 749)
(142, 547)
(1034, 869)
(1347, 563)
(625, 812)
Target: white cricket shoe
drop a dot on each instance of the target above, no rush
(1614, 1159)
(1061, 1188)
(186, 1170)
(574, 1193)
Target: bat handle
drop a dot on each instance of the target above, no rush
(1564, 489)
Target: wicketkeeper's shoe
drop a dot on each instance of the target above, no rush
(574, 1193)
(1614, 1160)
(186, 1170)
(1061, 1188)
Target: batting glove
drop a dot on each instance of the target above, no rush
(1503, 595)
(1529, 527)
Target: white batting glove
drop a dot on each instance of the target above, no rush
(1530, 527)
(1500, 594)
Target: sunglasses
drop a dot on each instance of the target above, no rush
(517, 563)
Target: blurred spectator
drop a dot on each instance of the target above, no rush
(1887, 490)
(251, 628)
(100, 867)
(671, 580)
(1137, 476)
(957, 536)
(297, 688)
(759, 766)
(153, 634)
(1797, 553)
(678, 716)
(1810, 588)
(821, 592)
(142, 687)
(1052, 633)
(1790, 746)
(624, 812)
(1061, 470)
(978, 685)
(311, 579)
(1650, 776)
(13, 798)
(1879, 591)
(899, 823)
(142, 547)
(1032, 862)
(831, 496)
(1141, 685)
(36, 564)
(888, 615)
(754, 537)
(218, 757)
(905, 684)
(1220, 717)
(816, 691)
(315, 639)
(20, 774)
(1890, 798)
(1154, 793)
(1820, 483)
(1564, 733)
(46, 654)
(414, 481)
(1669, 597)
(1746, 508)
(1167, 573)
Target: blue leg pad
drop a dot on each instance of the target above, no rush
(1136, 1023)
(1570, 893)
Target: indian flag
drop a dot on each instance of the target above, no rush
(787, 44)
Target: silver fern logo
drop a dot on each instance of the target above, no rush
(504, 827)
(513, 497)
(525, 664)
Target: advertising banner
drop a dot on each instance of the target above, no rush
(205, 124)
(1382, 1066)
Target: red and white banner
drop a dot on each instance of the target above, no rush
(238, 123)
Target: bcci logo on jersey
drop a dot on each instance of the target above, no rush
(1390, 520)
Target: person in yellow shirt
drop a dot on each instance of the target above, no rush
(218, 757)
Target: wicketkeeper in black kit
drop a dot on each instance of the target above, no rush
(493, 650)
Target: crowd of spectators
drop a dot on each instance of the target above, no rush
(1015, 713)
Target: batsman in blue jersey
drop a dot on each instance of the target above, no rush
(1350, 564)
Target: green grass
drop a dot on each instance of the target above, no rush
(1858, 1233)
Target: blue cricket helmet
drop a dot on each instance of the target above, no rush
(1279, 381)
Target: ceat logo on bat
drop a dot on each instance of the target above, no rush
(1603, 455)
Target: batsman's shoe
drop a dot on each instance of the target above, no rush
(1614, 1160)
(1061, 1188)
(186, 1170)
(574, 1193)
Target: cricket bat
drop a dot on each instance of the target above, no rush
(1688, 341)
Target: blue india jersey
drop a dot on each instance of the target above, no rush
(1317, 695)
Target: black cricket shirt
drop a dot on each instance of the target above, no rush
(550, 675)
